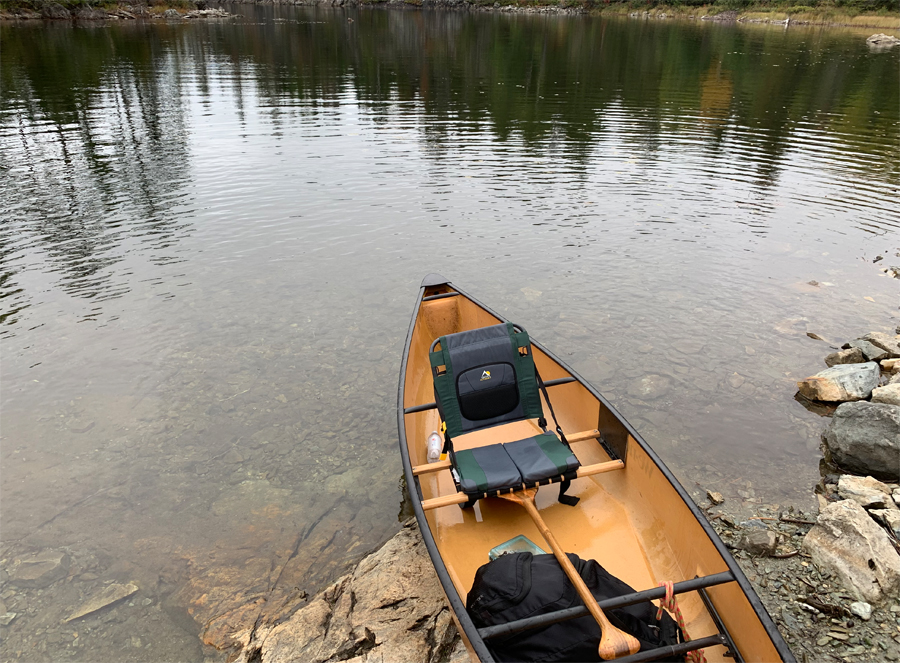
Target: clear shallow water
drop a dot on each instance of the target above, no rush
(212, 235)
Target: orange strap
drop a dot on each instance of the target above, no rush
(669, 603)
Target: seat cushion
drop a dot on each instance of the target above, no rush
(541, 457)
(486, 469)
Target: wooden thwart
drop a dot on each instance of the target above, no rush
(613, 642)
(461, 498)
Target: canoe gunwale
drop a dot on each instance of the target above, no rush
(414, 488)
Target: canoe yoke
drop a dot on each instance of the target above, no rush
(487, 377)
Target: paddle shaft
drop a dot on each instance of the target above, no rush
(613, 642)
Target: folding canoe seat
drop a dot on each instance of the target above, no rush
(486, 377)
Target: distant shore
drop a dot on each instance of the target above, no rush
(753, 12)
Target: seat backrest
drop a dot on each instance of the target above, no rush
(484, 377)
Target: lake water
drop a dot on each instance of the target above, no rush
(212, 235)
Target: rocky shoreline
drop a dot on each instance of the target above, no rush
(830, 580)
(187, 9)
(193, 9)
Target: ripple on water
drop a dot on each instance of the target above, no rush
(212, 233)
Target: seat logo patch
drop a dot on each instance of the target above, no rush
(485, 376)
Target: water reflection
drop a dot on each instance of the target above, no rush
(97, 137)
(211, 234)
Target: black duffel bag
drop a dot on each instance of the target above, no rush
(520, 585)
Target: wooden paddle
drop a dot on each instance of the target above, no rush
(613, 642)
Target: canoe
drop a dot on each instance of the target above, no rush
(633, 517)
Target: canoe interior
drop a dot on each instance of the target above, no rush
(632, 521)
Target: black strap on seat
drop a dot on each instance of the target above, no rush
(568, 500)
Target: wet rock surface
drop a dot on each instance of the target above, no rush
(846, 382)
(389, 609)
(865, 438)
(40, 569)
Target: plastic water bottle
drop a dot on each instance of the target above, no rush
(435, 444)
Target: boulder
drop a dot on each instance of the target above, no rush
(391, 608)
(171, 14)
(865, 438)
(882, 40)
(761, 543)
(41, 569)
(55, 10)
(849, 382)
(871, 351)
(848, 544)
(869, 493)
(886, 342)
(889, 393)
(890, 518)
(851, 356)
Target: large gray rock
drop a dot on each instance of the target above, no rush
(889, 393)
(851, 356)
(850, 382)
(886, 342)
(390, 609)
(869, 493)
(41, 569)
(871, 351)
(865, 438)
(847, 543)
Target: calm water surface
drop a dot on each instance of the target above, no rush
(212, 235)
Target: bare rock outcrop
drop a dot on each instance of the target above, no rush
(851, 546)
(391, 608)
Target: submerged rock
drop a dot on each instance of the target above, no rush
(868, 492)
(851, 356)
(41, 569)
(112, 594)
(865, 438)
(847, 543)
(391, 608)
(850, 382)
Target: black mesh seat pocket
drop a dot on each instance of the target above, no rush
(487, 391)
